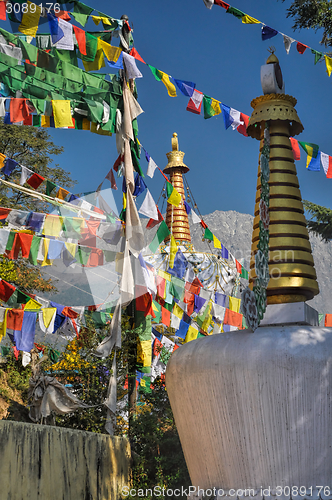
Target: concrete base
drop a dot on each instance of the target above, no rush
(289, 314)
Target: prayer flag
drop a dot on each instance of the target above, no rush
(62, 193)
(250, 20)
(208, 235)
(222, 4)
(172, 252)
(326, 162)
(313, 163)
(9, 166)
(30, 19)
(301, 47)
(168, 84)
(50, 186)
(80, 38)
(328, 62)
(62, 113)
(3, 10)
(216, 242)
(234, 304)
(35, 180)
(288, 42)
(192, 334)
(135, 54)
(132, 70)
(173, 196)
(19, 110)
(244, 121)
(56, 31)
(236, 12)
(318, 55)
(233, 318)
(194, 217)
(81, 12)
(268, 32)
(195, 102)
(309, 148)
(208, 3)
(140, 185)
(160, 235)
(111, 178)
(186, 88)
(152, 222)
(148, 207)
(151, 167)
(295, 148)
(211, 107)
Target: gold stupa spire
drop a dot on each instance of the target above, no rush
(176, 217)
(291, 266)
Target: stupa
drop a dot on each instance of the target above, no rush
(252, 408)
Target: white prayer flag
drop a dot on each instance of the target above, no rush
(132, 70)
(25, 174)
(236, 115)
(194, 217)
(151, 168)
(148, 207)
(288, 42)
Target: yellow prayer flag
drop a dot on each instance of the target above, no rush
(208, 317)
(215, 105)
(174, 198)
(53, 225)
(164, 275)
(191, 334)
(328, 62)
(30, 19)
(216, 242)
(172, 252)
(95, 129)
(45, 121)
(309, 158)
(3, 324)
(144, 352)
(2, 159)
(111, 53)
(249, 20)
(48, 314)
(86, 124)
(32, 305)
(62, 193)
(234, 304)
(71, 247)
(99, 59)
(104, 20)
(177, 311)
(46, 261)
(62, 113)
(168, 84)
(124, 201)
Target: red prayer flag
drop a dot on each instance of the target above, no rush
(238, 266)
(295, 148)
(301, 47)
(152, 223)
(192, 106)
(68, 311)
(16, 352)
(157, 347)
(27, 120)
(165, 316)
(328, 320)
(161, 285)
(4, 213)
(63, 14)
(162, 173)
(329, 170)
(233, 318)
(243, 128)
(81, 40)
(24, 241)
(222, 4)
(204, 226)
(117, 163)
(96, 258)
(6, 290)
(15, 319)
(19, 110)
(3, 10)
(111, 178)
(93, 226)
(135, 54)
(35, 180)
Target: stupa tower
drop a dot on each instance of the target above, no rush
(176, 217)
(291, 266)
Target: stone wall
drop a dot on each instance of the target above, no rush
(53, 463)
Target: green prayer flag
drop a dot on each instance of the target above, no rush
(96, 110)
(50, 186)
(177, 287)
(91, 48)
(160, 235)
(53, 354)
(72, 227)
(309, 148)
(8, 60)
(244, 273)
(208, 111)
(91, 80)
(143, 325)
(318, 55)
(208, 235)
(36, 120)
(81, 13)
(244, 323)
(12, 301)
(36, 241)
(29, 51)
(199, 335)
(5, 350)
(9, 37)
(22, 298)
(169, 307)
(109, 255)
(155, 73)
(63, 55)
(157, 311)
(10, 241)
(320, 318)
(82, 255)
(236, 12)
(72, 72)
(15, 9)
(100, 318)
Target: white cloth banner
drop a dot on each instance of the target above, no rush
(148, 207)
(132, 70)
(151, 168)
(67, 41)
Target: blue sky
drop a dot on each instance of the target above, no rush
(223, 57)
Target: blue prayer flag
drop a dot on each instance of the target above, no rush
(186, 88)
(268, 32)
(9, 166)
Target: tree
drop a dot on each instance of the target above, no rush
(321, 220)
(33, 148)
(314, 14)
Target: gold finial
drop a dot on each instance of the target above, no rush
(272, 58)
(175, 142)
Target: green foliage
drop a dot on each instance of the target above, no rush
(321, 220)
(313, 14)
(7, 269)
(33, 148)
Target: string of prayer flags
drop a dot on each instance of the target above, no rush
(173, 196)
